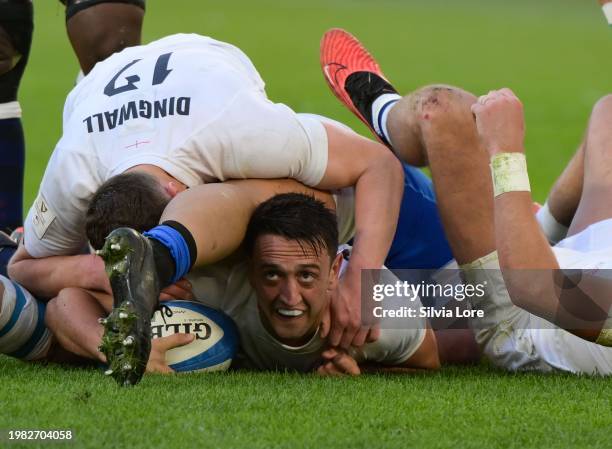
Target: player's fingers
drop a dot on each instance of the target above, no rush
(360, 337)
(173, 341)
(374, 334)
(335, 335)
(178, 291)
(328, 369)
(332, 370)
(329, 353)
(158, 367)
(321, 370)
(347, 337)
(165, 297)
(325, 323)
(163, 369)
(346, 364)
(184, 284)
(507, 92)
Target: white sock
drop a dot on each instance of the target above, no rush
(553, 230)
(607, 9)
(10, 110)
(380, 111)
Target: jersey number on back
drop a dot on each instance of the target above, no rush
(160, 73)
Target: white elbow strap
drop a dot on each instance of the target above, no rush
(23, 333)
(509, 173)
(553, 230)
(605, 336)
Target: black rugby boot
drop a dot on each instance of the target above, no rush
(128, 257)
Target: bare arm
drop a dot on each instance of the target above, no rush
(528, 263)
(46, 277)
(378, 179)
(337, 362)
(218, 214)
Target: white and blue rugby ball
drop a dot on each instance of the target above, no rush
(216, 336)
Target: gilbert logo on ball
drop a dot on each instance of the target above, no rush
(216, 336)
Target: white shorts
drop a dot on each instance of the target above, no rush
(589, 249)
(514, 339)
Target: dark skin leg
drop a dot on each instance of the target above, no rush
(101, 30)
(8, 54)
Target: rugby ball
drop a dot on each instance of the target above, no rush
(216, 336)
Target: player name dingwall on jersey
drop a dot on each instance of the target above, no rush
(108, 120)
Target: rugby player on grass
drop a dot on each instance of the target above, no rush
(191, 110)
(276, 288)
(489, 220)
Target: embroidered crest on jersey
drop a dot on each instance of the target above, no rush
(43, 216)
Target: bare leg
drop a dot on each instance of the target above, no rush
(565, 195)
(8, 53)
(457, 347)
(434, 126)
(595, 202)
(101, 30)
(72, 317)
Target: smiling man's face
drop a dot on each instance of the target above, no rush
(293, 283)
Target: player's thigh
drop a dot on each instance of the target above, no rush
(8, 54)
(420, 241)
(99, 28)
(595, 204)
(16, 25)
(444, 108)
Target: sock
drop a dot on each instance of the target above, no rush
(607, 10)
(23, 333)
(174, 250)
(380, 111)
(553, 230)
(12, 160)
(495, 303)
(5, 255)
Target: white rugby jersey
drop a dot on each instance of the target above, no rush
(590, 249)
(189, 104)
(225, 286)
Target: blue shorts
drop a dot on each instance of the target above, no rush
(419, 241)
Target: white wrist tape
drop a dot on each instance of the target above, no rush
(605, 337)
(607, 10)
(509, 173)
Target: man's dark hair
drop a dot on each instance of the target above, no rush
(134, 200)
(295, 216)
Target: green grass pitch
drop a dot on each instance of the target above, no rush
(554, 54)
